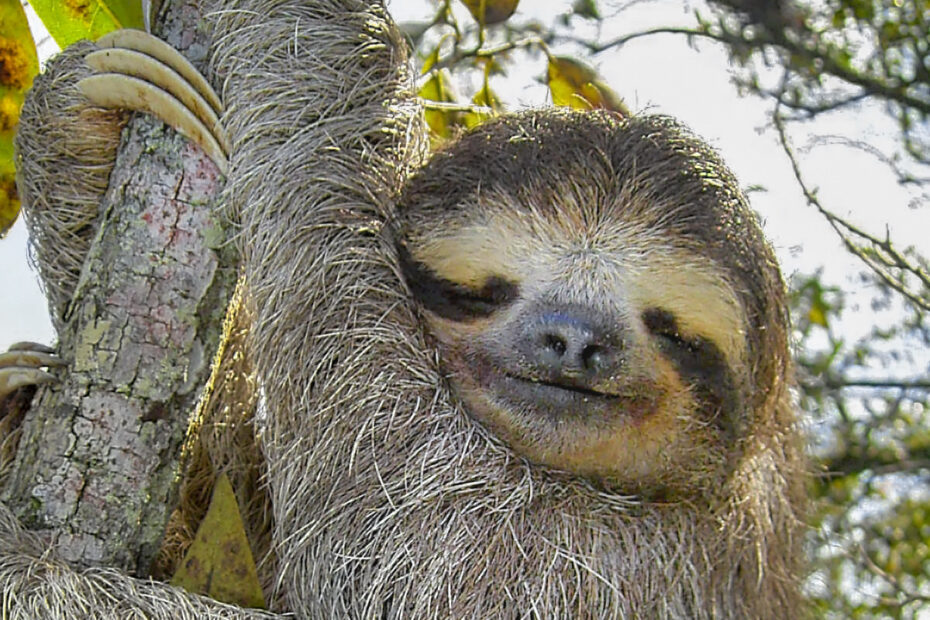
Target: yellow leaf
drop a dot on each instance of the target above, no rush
(575, 84)
(485, 97)
(431, 59)
(817, 315)
(72, 20)
(18, 66)
(441, 122)
(219, 562)
(489, 12)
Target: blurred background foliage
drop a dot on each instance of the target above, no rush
(865, 393)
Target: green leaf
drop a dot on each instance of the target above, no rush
(72, 20)
(586, 8)
(219, 562)
(431, 59)
(441, 122)
(818, 314)
(820, 309)
(18, 66)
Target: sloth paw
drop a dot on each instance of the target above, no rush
(22, 365)
(140, 72)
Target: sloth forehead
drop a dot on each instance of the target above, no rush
(623, 266)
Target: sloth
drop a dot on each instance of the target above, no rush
(543, 373)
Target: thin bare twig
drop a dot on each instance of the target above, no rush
(842, 383)
(882, 257)
(774, 39)
(908, 595)
(458, 55)
(451, 106)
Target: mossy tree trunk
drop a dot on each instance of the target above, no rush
(99, 456)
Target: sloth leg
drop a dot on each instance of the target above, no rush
(137, 71)
(22, 366)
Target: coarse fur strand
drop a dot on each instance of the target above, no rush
(389, 500)
(63, 167)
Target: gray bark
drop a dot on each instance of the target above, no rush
(99, 455)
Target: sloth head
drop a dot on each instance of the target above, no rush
(601, 295)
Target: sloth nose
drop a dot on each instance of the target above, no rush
(570, 344)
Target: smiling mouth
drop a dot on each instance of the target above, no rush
(564, 387)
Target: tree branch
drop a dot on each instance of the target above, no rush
(765, 38)
(883, 256)
(842, 383)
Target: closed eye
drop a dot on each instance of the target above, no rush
(663, 324)
(452, 300)
(701, 365)
(495, 293)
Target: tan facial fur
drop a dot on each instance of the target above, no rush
(651, 272)
(655, 440)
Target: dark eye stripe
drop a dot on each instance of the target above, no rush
(702, 365)
(450, 300)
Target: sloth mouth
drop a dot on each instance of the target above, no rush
(562, 399)
(565, 386)
(556, 397)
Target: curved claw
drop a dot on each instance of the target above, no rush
(29, 358)
(137, 64)
(141, 72)
(115, 90)
(140, 41)
(22, 366)
(26, 345)
(16, 377)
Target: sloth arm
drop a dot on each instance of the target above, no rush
(37, 586)
(314, 171)
(312, 177)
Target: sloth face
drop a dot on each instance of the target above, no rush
(584, 279)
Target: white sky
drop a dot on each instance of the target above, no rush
(660, 74)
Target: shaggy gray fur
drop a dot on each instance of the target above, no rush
(63, 168)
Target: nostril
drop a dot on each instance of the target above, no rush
(555, 344)
(593, 357)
